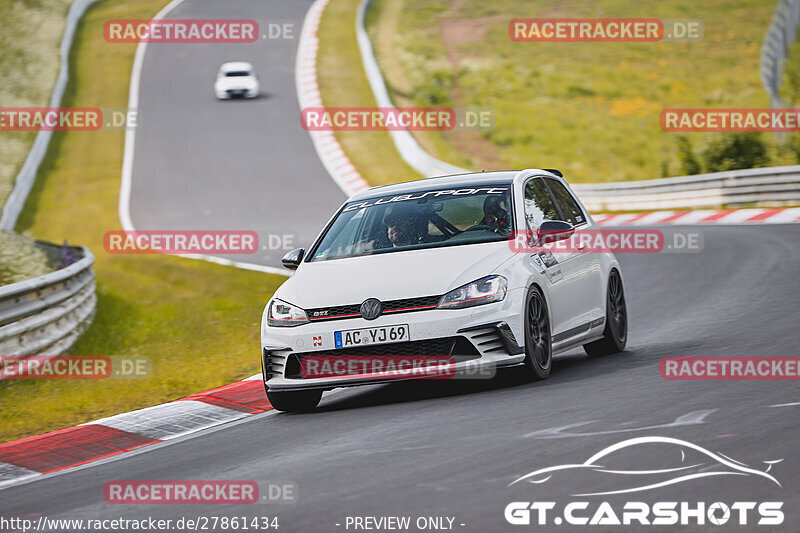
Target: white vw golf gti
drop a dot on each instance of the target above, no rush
(236, 79)
(426, 270)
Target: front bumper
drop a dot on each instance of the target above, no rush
(236, 93)
(487, 336)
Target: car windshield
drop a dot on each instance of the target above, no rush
(237, 73)
(418, 220)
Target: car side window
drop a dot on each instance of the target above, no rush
(569, 208)
(539, 204)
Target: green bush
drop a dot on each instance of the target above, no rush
(733, 151)
(688, 160)
(727, 151)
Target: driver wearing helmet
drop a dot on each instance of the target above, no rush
(495, 215)
(399, 230)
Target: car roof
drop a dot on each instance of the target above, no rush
(470, 179)
(440, 182)
(236, 65)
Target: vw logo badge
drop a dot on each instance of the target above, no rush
(371, 308)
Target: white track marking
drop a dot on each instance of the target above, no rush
(124, 207)
(689, 419)
(330, 153)
(170, 420)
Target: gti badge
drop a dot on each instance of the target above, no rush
(371, 308)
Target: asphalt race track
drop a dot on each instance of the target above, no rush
(451, 448)
(203, 164)
(441, 448)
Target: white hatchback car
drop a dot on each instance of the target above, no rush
(425, 270)
(236, 79)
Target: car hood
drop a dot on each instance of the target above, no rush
(391, 276)
(236, 82)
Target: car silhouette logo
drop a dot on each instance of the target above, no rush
(710, 464)
(371, 309)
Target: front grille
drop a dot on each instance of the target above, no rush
(493, 338)
(406, 305)
(489, 340)
(411, 304)
(443, 346)
(274, 362)
(458, 347)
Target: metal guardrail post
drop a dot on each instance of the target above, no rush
(781, 34)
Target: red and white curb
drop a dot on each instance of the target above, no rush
(722, 216)
(327, 146)
(71, 447)
(78, 445)
(66, 448)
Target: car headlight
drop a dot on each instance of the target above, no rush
(282, 314)
(483, 291)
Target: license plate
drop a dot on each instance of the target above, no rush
(367, 336)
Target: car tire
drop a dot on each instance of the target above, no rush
(615, 333)
(294, 401)
(538, 339)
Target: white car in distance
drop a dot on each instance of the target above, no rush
(236, 79)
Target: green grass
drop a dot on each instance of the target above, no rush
(30, 35)
(198, 322)
(590, 109)
(343, 83)
(20, 259)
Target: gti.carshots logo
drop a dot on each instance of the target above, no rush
(616, 470)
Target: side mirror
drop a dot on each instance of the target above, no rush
(554, 230)
(292, 259)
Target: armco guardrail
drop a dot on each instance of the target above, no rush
(767, 187)
(409, 149)
(777, 186)
(27, 174)
(781, 34)
(45, 315)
